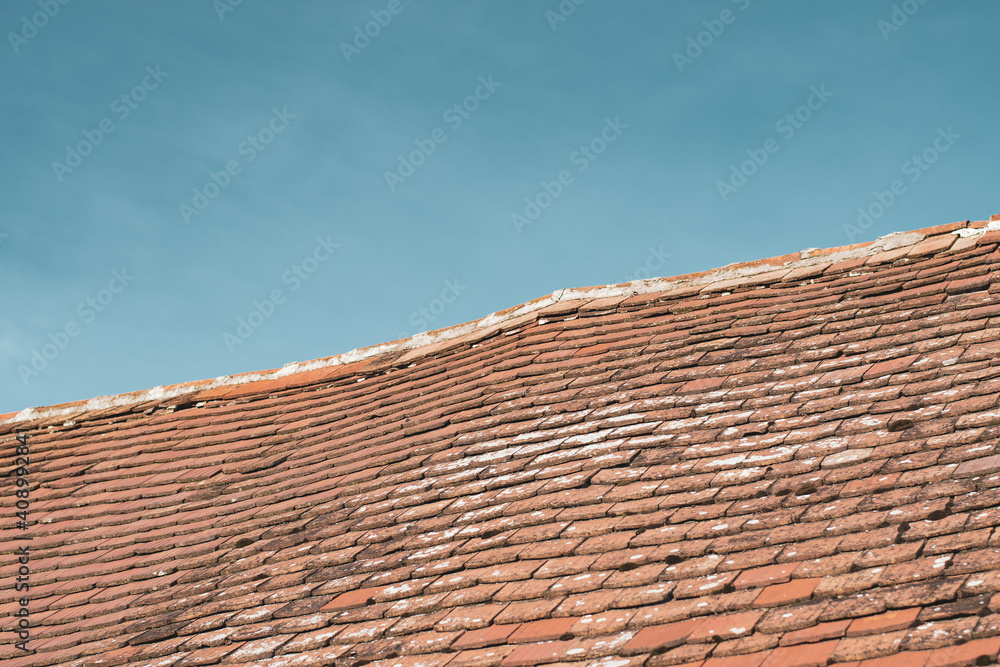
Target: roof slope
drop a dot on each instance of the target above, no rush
(787, 462)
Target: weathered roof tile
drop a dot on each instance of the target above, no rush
(782, 463)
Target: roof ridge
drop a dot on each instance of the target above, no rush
(732, 274)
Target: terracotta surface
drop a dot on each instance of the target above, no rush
(793, 461)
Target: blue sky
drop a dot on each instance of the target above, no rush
(172, 168)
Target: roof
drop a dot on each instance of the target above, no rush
(786, 462)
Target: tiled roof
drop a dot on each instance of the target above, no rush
(789, 462)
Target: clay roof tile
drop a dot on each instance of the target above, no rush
(789, 461)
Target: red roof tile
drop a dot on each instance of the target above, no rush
(785, 462)
(543, 630)
(890, 621)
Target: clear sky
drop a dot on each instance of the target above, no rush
(341, 174)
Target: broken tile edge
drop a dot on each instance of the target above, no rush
(807, 257)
